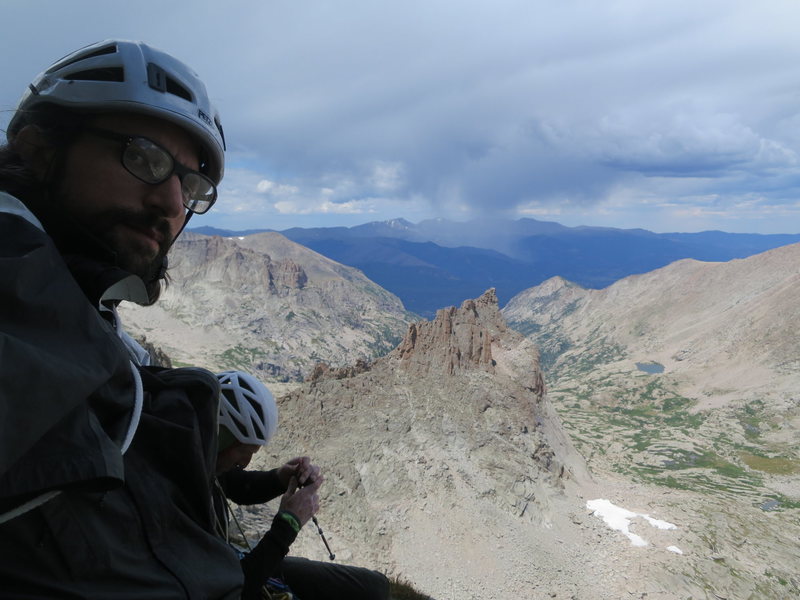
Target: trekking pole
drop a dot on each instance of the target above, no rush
(324, 541)
(331, 555)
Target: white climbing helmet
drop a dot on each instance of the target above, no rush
(120, 75)
(247, 408)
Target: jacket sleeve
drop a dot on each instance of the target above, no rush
(262, 563)
(256, 487)
(251, 487)
(66, 387)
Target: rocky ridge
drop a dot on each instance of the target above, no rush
(267, 305)
(446, 465)
(457, 339)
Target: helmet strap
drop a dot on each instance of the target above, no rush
(160, 270)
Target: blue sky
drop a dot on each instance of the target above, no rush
(666, 115)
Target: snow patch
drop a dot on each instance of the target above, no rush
(619, 519)
(675, 549)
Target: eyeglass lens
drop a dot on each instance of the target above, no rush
(153, 164)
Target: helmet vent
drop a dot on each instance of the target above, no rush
(173, 87)
(108, 74)
(101, 52)
(158, 79)
(242, 429)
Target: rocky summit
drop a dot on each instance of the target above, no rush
(266, 305)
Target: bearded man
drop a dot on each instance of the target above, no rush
(105, 463)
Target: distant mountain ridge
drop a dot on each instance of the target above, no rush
(438, 262)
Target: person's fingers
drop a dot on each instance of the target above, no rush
(314, 484)
(305, 465)
(296, 467)
(292, 488)
(308, 474)
(302, 502)
(295, 462)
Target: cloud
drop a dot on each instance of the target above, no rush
(354, 207)
(248, 196)
(270, 188)
(561, 108)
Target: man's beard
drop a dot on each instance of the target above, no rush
(133, 255)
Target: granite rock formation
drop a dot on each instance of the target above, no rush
(445, 447)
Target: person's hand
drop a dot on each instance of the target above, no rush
(302, 469)
(302, 502)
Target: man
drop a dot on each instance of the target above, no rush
(105, 464)
(248, 419)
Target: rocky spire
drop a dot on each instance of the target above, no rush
(457, 339)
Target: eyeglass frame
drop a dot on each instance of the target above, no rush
(178, 168)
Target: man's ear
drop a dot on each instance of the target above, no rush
(35, 150)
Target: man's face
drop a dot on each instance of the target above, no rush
(137, 220)
(235, 456)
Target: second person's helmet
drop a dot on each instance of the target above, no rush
(247, 408)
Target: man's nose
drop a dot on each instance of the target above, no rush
(167, 197)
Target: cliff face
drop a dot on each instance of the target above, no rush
(448, 440)
(233, 266)
(266, 305)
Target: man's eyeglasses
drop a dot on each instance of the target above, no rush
(152, 163)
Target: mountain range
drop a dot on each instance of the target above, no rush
(266, 305)
(705, 322)
(460, 458)
(438, 262)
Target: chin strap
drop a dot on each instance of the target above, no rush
(160, 271)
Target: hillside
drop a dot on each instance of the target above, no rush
(267, 305)
(706, 323)
(445, 463)
(686, 378)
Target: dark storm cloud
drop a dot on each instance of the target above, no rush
(500, 106)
